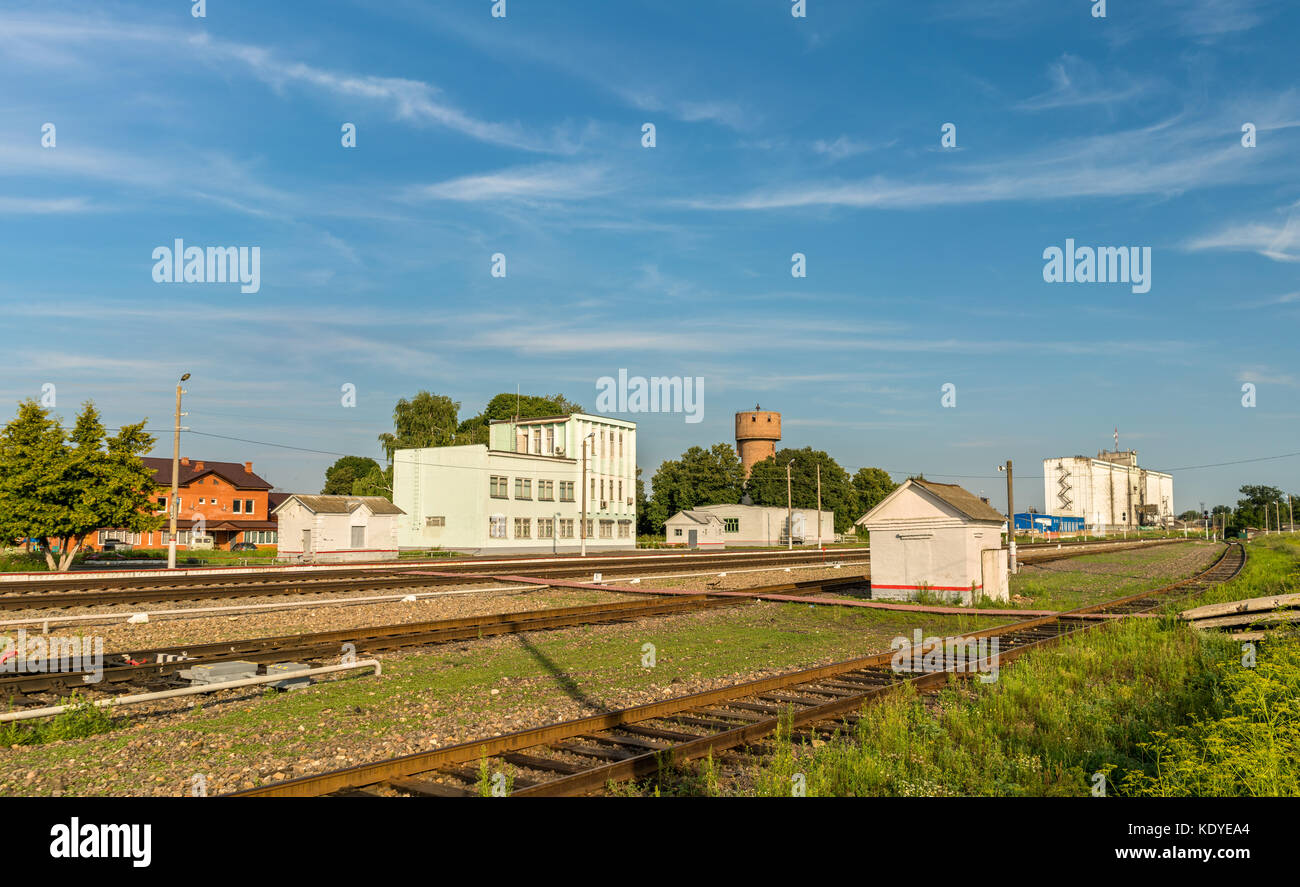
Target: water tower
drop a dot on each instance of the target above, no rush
(757, 432)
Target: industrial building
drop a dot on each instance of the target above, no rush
(717, 526)
(523, 491)
(756, 435)
(1110, 492)
(1050, 524)
(938, 539)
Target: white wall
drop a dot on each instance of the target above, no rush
(455, 483)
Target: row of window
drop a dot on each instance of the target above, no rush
(543, 442)
(237, 506)
(547, 528)
(499, 488)
(183, 537)
(499, 485)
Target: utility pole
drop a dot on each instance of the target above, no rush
(1277, 513)
(172, 504)
(819, 505)
(583, 528)
(1290, 513)
(789, 509)
(1011, 517)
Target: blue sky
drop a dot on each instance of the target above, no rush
(775, 135)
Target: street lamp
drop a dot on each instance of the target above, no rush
(1011, 518)
(172, 503)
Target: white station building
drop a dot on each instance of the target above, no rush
(523, 491)
(1109, 492)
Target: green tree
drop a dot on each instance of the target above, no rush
(340, 476)
(767, 484)
(1254, 499)
(872, 486)
(643, 525)
(700, 477)
(376, 482)
(508, 404)
(426, 420)
(58, 487)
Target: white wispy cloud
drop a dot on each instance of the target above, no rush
(541, 182)
(1169, 157)
(1076, 83)
(45, 205)
(415, 101)
(1279, 241)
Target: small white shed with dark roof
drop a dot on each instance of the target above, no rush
(337, 528)
(936, 539)
(695, 529)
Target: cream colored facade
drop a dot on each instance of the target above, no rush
(1108, 492)
(922, 542)
(749, 525)
(327, 529)
(523, 492)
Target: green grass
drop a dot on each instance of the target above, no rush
(81, 720)
(21, 562)
(1091, 578)
(1158, 707)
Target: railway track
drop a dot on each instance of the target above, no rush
(107, 591)
(189, 588)
(152, 667)
(584, 755)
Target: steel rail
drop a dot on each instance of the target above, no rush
(637, 741)
(144, 665)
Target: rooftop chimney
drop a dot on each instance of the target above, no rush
(198, 466)
(248, 466)
(185, 460)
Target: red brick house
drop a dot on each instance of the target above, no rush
(225, 499)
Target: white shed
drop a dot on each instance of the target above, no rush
(695, 529)
(936, 538)
(337, 528)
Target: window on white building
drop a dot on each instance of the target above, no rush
(497, 526)
(523, 527)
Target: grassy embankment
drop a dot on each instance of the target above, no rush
(1157, 707)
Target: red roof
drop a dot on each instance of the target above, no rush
(235, 473)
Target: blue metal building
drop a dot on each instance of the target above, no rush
(1049, 523)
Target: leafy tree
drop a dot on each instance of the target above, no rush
(700, 477)
(426, 420)
(340, 476)
(507, 405)
(58, 487)
(376, 482)
(1254, 499)
(872, 486)
(643, 526)
(767, 484)
(1190, 514)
